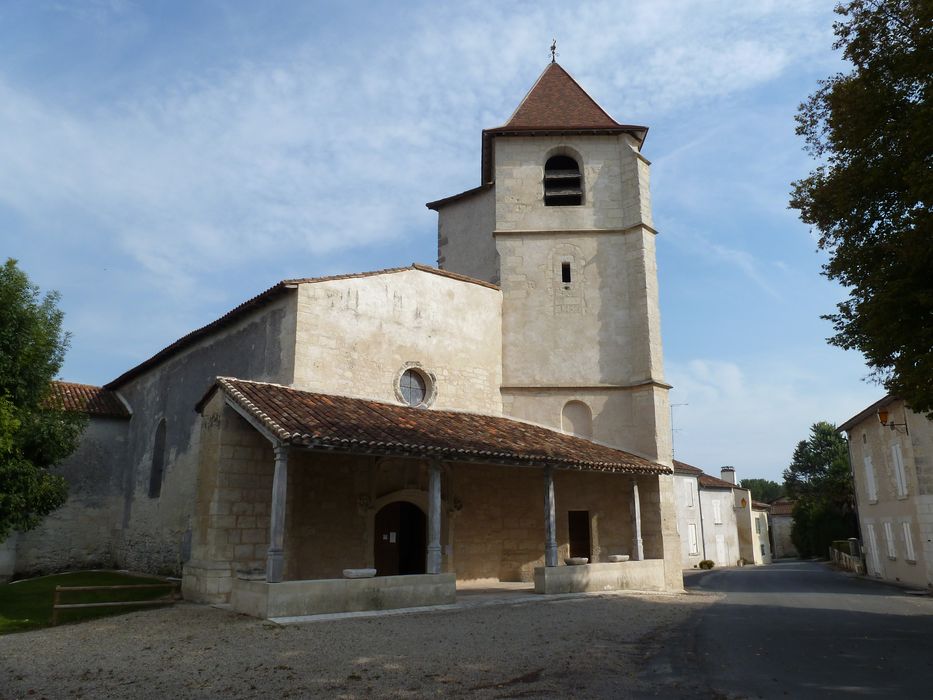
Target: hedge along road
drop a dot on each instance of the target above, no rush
(801, 630)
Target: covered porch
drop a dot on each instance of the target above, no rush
(300, 501)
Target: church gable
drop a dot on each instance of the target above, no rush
(359, 335)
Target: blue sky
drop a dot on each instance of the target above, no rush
(161, 162)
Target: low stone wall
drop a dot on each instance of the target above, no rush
(316, 597)
(646, 575)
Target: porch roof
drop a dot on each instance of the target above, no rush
(343, 424)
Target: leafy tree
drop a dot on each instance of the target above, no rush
(870, 198)
(763, 490)
(820, 481)
(34, 435)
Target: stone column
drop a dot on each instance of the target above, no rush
(550, 519)
(638, 551)
(434, 518)
(275, 559)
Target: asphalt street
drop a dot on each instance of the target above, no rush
(800, 630)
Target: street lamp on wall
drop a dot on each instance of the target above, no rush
(883, 419)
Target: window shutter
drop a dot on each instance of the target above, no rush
(692, 531)
(910, 554)
(717, 512)
(870, 484)
(889, 539)
(874, 559)
(900, 477)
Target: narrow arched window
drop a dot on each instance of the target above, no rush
(563, 183)
(158, 461)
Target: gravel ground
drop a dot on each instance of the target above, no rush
(596, 645)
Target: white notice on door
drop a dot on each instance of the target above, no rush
(391, 538)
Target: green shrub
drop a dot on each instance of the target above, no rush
(707, 564)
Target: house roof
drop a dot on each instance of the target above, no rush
(867, 413)
(758, 505)
(84, 398)
(684, 468)
(274, 292)
(438, 203)
(340, 423)
(782, 506)
(711, 482)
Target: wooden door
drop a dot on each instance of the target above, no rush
(400, 543)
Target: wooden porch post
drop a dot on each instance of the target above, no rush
(275, 559)
(433, 564)
(550, 519)
(638, 551)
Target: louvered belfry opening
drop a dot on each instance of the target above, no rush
(563, 183)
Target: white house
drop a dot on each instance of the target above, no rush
(891, 454)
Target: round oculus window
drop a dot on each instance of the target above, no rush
(413, 386)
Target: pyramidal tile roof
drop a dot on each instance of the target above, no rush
(556, 101)
(556, 104)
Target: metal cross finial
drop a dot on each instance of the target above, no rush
(554, 50)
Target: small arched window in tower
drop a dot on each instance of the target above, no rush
(158, 461)
(577, 419)
(563, 183)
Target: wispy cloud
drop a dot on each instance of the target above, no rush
(329, 144)
(752, 413)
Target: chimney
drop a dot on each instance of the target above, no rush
(728, 474)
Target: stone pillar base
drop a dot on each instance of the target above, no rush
(207, 581)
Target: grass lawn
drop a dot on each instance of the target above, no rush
(27, 604)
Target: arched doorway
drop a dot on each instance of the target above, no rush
(400, 542)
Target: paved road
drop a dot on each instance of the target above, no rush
(801, 630)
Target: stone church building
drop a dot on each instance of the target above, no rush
(482, 421)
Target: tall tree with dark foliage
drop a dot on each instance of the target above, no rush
(820, 481)
(870, 196)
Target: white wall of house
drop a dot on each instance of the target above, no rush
(893, 473)
(720, 526)
(689, 519)
(760, 540)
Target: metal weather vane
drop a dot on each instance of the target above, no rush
(554, 53)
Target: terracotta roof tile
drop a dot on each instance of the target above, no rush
(555, 105)
(556, 101)
(684, 468)
(83, 398)
(329, 422)
(711, 482)
(782, 506)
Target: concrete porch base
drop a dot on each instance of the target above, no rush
(316, 597)
(647, 575)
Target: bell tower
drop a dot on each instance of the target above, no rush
(562, 222)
